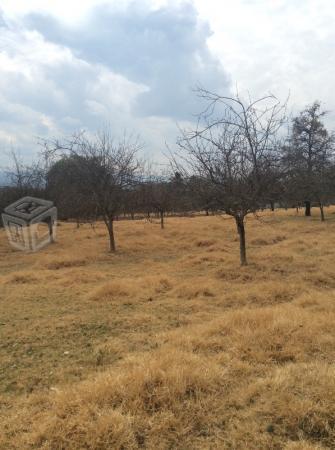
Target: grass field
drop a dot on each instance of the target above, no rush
(169, 343)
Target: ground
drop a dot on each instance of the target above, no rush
(169, 343)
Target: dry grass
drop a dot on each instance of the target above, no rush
(169, 343)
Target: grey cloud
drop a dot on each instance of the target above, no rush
(133, 69)
(164, 49)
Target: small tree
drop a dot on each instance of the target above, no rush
(158, 196)
(105, 170)
(307, 157)
(234, 148)
(23, 178)
(133, 201)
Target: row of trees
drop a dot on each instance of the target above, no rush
(238, 159)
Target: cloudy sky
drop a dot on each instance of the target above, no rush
(67, 65)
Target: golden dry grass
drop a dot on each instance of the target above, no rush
(169, 343)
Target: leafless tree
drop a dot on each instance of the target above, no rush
(22, 179)
(158, 196)
(25, 178)
(235, 148)
(106, 169)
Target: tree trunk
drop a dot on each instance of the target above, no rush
(161, 213)
(322, 212)
(241, 233)
(272, 206)
(307, 208)
(110, 226)
(51, 230)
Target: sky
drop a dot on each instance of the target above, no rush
(133, 66)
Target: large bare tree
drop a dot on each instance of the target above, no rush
(234, 148)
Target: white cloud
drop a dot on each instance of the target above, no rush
(45, 90)
(279, 46)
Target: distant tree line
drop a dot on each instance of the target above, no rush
(243, 156)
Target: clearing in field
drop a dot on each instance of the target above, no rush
(169, 343)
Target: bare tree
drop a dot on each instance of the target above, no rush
(25, 178)
(105, 170)
(234, 147)
(158, 196)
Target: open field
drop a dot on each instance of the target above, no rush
(169, 343)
